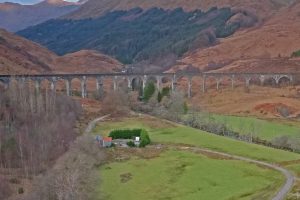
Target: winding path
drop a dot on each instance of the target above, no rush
(280, 195)
(93, 123)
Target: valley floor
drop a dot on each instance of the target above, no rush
(175, 173)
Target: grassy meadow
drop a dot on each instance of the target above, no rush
(263, 129)
(180, 175)
(184, 175)
(165, 132)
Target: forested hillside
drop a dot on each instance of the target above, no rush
(96, 8)
(139, 34)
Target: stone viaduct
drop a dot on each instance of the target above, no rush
(143, 78)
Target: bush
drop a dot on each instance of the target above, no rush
(148, 91)
(185, 108)
(165, 92)
(125, 134)
(14, 181)
(131, 144)
(20, 190)
(145, 139)
(159, 97)
(296, 54)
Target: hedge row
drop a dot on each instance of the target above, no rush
(125, 134)
(131, 134)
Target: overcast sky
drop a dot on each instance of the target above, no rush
(26, 1)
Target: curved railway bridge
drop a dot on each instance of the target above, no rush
(131, 78)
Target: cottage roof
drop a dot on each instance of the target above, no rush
(107, 139)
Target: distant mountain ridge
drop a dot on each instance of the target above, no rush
(16, 17)
(96, 8)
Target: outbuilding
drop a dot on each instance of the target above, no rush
(107, 142)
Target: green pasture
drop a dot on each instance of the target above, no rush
(264, 129)
(181, 175)
(164, 132)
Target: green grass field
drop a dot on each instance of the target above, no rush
(180, 175)
(263, 129)
(163, 132)
(185, 175)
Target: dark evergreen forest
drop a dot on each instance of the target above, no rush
(137, 34)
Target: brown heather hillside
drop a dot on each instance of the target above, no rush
(21, 56)
(86, 61)
(95, 8)
(264, 48)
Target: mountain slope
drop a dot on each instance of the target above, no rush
(139, 34)
(96, 8)
(86, 61)
(260, 48)
(18, 55)
(15, 16)
(21, 56)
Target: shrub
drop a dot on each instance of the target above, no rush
(131, 144)
(165, 92)
(185, 108)
(125, 134)
(296, 54)
(159, 97)
(145, 139)
(20, 190)
(14, 181)
(148, 91)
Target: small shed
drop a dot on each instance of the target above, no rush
(107, 142)
(137, 141)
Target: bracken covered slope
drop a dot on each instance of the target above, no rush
(18, 55)
(21, 56)
(86, 61)
(265, 48)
